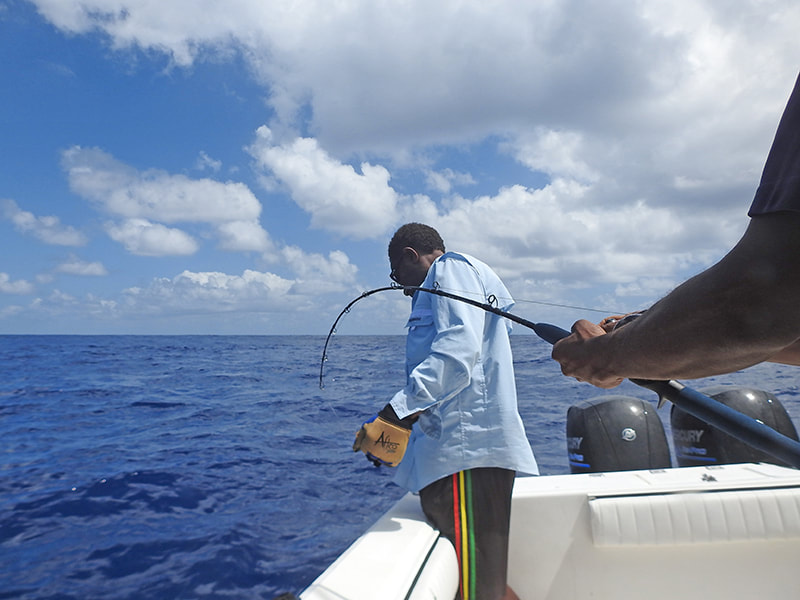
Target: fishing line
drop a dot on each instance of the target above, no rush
(557, 305)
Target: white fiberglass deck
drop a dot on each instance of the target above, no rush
(691, 533)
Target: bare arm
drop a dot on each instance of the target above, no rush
(742, 311)
(788, 356)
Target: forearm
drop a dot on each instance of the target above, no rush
(705, 327)
(741, 311)
(788, 356)
(664, 343)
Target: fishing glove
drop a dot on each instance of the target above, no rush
(384, 437)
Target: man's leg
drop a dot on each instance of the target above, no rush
(473, 509)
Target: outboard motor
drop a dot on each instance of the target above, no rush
(615, 433)
(698, 443)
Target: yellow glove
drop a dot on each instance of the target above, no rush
(384, 438)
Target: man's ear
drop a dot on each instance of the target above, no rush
(411, 253)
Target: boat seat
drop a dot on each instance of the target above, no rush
(693, 518)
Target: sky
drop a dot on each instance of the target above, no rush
(238, 167)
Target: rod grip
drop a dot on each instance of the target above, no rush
(550, 333)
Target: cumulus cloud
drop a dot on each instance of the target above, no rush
(154, 194)
(204, 161)
(557, 153)
(244, 236)
(455, 70)
(76, 266)
(618, 127)
(211, 292)
(550, 233)
(140, 236)
(48, 229)
(444, 180)
(318, 274)
(145, 201)
(251, 292)
(20, 286)
(646, 123)
(337, 197)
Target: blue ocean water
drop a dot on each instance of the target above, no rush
(172, 467)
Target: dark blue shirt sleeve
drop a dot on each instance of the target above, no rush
(779, 189)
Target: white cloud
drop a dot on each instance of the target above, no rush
(211, 292)
(459, 71)
(652, 121)
(244, 236)
(557, 153)
(204, 161)
(20, 286)
(251, 292)
(154, 194)
(10, 311)
(76, 266)
(48, 229)
(444, 180)
(145, 200)
(140, 236)
(647, 286)
(456, 70)
(558, 233)
(318, 274)
(339, 199)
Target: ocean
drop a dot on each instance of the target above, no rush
(168, 467)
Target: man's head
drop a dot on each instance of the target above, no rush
(412, 250)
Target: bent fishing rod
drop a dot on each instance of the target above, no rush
(726, 419)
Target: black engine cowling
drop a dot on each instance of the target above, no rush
(698, 443)
(615, 433)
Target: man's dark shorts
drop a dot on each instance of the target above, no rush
(473, 510)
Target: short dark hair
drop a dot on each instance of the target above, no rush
(423, 238)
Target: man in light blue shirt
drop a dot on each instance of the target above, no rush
(467, 439)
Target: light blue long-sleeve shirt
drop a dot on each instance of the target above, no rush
(461, 375)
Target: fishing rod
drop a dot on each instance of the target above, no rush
(547, 332)
(726, 419)
(345, 310)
